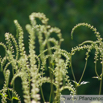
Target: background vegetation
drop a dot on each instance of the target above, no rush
(64, 14)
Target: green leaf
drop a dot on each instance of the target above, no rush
(77, 84)
(97, 78)
(3, 95)
(15, 98)
(83, 82)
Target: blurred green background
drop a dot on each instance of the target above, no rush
(64, 14)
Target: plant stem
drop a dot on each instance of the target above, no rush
(42, 94)
(83, 71)
(96, 70)
(72, 70)
(100, 89)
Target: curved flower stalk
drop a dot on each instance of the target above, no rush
(4, 46)
(4, 90)
(25, 80)
(34, 71)
(10, 50)
(3, 60)
(59, 72)
(20, 38)
(16, 97)
(44, 32)
(97, 45)
(5, 96)
(10, 45)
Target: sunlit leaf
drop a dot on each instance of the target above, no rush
(15, 98)
(97, 78)
(3, 95)
(83, 82)
(77, 84)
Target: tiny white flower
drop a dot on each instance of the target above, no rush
(33, 101)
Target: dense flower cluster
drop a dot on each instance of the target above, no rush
(31, 68)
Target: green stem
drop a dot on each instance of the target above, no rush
(73, 74)
(72, 70)
(42, 94)
(83, 72)
(51, 87)
(9, 95)
(76, 90)
(100, 89)
(50, 60)
(96, 70)
(13, 87)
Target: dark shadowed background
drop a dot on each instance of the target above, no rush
(64, 14)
